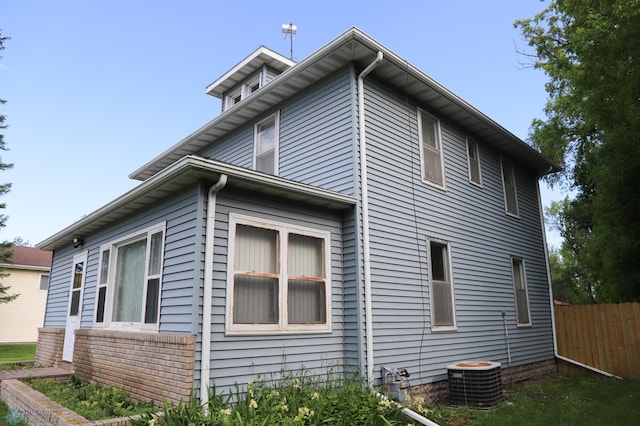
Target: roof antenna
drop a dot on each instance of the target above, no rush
(289, 29)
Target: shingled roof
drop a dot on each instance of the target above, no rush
(30, 256)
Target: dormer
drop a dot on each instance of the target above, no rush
(256, 70)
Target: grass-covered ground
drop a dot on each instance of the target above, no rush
(555, 400)
(17, 352)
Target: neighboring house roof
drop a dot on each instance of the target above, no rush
(187, 171)
(354, 46)
(29, 258)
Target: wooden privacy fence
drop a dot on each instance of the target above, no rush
(606, 337)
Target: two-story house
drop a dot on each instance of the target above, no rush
(344, 213)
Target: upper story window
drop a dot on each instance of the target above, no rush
(520, 290)
(266, 145)
(473, 161)
(431, 149)
(509, 187)
(442, 306)
(278, 277)
(129, 285)
(242, 92)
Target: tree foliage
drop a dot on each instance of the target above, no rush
(590, 51)
(5, 247)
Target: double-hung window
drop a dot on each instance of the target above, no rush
(129, 284)
(278, 277)
(442, 305)
(509, 187)
(431, 149)
(266, 145)
(473, 161)
(520, 290)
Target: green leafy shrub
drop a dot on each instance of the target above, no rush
(294, 400)
(92, 401)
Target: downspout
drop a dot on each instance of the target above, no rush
(553, 315)
(365, 218)
(205, 355)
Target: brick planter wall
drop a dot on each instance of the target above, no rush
(49, 347)
(36, 409)
(148, 366)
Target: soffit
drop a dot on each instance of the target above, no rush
(249, 65)
(355, 46)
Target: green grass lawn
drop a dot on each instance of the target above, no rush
(18, 352)
(556, 400)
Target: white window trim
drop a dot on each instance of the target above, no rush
(244, 91)
(504, 160)
(246, 88)
(422, 159)
(526, 289)
(282, 327)
(108, 305)
(477, 150)
(441, 328)
(276, 149)
(229, 98)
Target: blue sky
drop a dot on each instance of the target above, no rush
(95, 89)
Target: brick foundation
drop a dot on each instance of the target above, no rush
(439, 391)
(49, 347)
(148, 366)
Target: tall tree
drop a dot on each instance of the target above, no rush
(5, 247)
(590, 51)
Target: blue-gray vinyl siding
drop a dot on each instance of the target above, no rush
(269, 74)
(181, 278)
(405, 211)
(240, 358)
(316, 136)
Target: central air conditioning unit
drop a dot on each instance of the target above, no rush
(476, 384)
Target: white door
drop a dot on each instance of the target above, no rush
(74, 314)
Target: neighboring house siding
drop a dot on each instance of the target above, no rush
(404, 211)
(21, 318)
(181, 213)
(240, 358)
(316, 136)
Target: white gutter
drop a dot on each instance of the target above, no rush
(205, 357)
(365, 218)
(551, 300)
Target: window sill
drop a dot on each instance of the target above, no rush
(434, 185)
(527, 325)
(515, 216)
(444, 329)
(255, 332)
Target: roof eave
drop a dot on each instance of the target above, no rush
(394, 69)
(188, 170)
